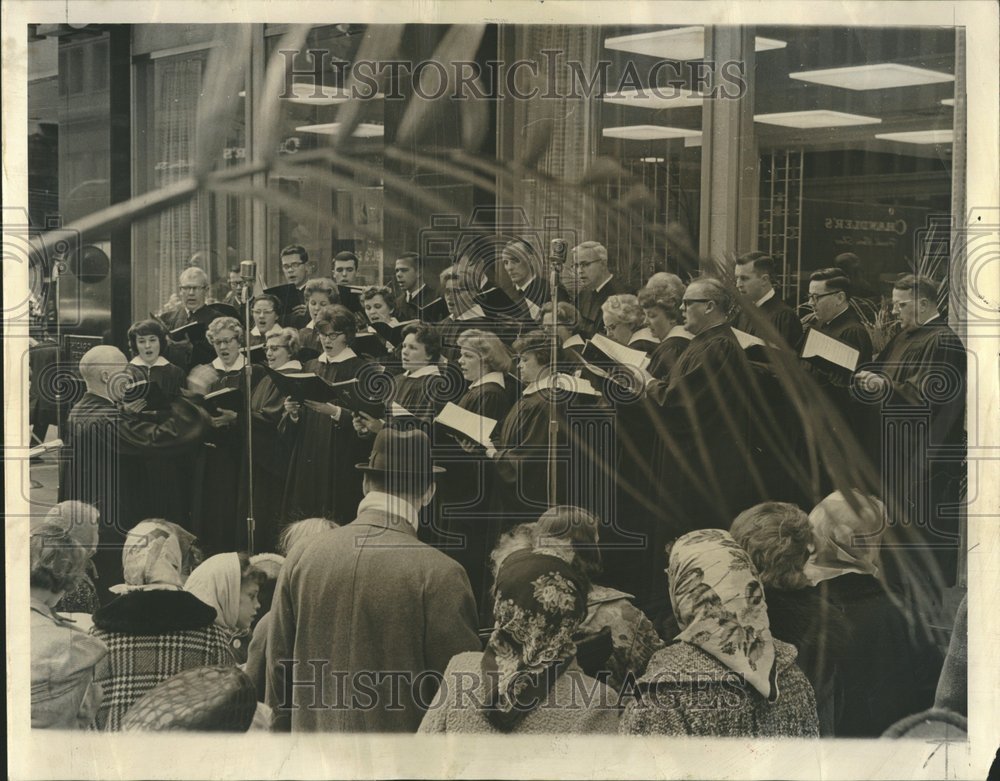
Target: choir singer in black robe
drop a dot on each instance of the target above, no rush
(322, 481)
(186, 351)
(755, 275)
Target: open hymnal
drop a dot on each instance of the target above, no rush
(819, 345)
(619, 353)
(747, 340)
(468, 424)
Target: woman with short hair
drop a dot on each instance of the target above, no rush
(625, 322)
(663, 314)
(320, 293)
(64, 694)
(322, 480)
(148, 342)
(379, 304)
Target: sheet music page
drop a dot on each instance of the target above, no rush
(820, 345)
(620, 352)
(476, 427)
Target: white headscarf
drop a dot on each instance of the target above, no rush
(848, 539)
(158, 555)
(217, 584)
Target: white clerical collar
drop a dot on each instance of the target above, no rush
(765, 298)
(344, 355)
(600, 287)
(275, 329)
(237, 365)
(310, 326)
(290, 365)
(495, 377)
(522, 288)
(642, 335)
(411, 295)
(423, 371)
(392, 505)
(681, 331)
(160, 361)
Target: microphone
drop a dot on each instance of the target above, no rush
(248, 273)
(557, 252)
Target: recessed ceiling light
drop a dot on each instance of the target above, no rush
(693, 141)
(683, 43)
(883, 76)
(948, 102)
(648, 132)
(651, 159)
(364, 130)
(920, 136)
(669, 97)
(815, 119)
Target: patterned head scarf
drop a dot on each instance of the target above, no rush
(847, 538)
(540, 603)
(718, 601)
(217, 583)
(157, 555)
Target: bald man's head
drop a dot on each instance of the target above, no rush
(99, 364)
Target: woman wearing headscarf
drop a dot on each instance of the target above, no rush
(80, 521)
(153, 629)
(229, 583)
(64, 692)
(884, 672)
(724, 675)
(527, 680)
(779, 539)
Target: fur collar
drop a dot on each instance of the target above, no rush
(154, 613)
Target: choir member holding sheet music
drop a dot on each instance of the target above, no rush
(415, 397)
(625, 323)
(755, 277)
(270, 451)
(661, 301)
(322, 480)
(186, 324)
(216, 520)
(471, 529)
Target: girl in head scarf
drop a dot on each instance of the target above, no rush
(724, 675)
(527, 680)
(230, 584)
(154, 629)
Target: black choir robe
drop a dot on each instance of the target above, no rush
(469, 508)
(589, 304)
(862, 420)
(705, 453)
(187, 353)
(291, 297)
(665, 354)
(782, 318)
(322, 479)
(216, 516)
(536, 294)
(169, 377)
(105, 462)
(643, 340)
(257, 338)
(926, 367)
(408, 306)
(309, 344)
(270, 463)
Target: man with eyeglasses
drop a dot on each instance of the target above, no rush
(298, 270)
(187, 352)
(830, 297)
(705, 465)
(920, 379)
(598, 284)
(755, 275)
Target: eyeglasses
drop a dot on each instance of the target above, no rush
(291, 266)
(259, 312)
(330, 334)
(222, 341)
(689, 301)
(609, 327)
(191, 288)
(814, 297)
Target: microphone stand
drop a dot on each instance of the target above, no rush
(248, 379)
(555, 268)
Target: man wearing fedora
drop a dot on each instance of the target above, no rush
(366, 617)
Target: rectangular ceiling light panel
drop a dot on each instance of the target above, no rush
(816, 119)
(683, 43)
(648, 132)
(867, 77)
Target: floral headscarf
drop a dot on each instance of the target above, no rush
(157, 555)
(539, 605)
(217, 583)
(847, 539)
(718, 601)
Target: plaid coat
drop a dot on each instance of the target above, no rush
(152, 636)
